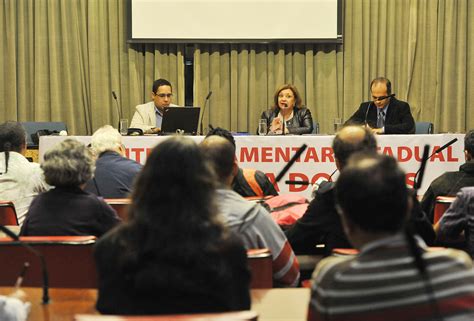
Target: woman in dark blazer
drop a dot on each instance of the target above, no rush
(287, 113)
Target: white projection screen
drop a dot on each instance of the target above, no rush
(235, 21)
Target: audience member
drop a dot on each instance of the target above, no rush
(67, 209)
(114, 173)
(20, 180)
(459, 218)
(247, 182)
(384, 114)
(394, 276)
(247, 219)
(321, 224)
(174, 255)
(449, 183)
(148, 117)
(12, 307)
(287, 113)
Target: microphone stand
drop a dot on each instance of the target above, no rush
(203, 110)
(119, 111)
(7, 231)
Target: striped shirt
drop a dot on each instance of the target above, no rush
(382, 283)
(255, 227)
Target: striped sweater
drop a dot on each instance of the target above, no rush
(382, 283)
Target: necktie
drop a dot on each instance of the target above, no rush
(381, 119)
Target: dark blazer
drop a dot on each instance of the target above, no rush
(397, 121)
(301, 123)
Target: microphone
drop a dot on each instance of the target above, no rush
(444, 146)
(291, 162)
(203, 110)
(434, 153)
(288, 182)
(44, 269)
(286, 168)
(119, 111)
(421, 170)
(384, 97)
(366, 113)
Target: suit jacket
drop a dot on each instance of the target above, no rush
(301, 123)
(145, 117)
(397, 121)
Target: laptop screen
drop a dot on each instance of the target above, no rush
(182, 120)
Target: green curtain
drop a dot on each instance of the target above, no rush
(425, 47)
(61, 59)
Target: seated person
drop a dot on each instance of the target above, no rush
(449, 183)
(384, 114)
(394, 276)
(114, 173)
(459, 218)
(174, 255)
(250, 221)
(20, 180)
(148, 117)
(67, 209)
(288, 113)
(247, 182)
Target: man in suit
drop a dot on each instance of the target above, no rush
(148, 117)
(384, 114)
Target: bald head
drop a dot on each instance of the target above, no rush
(221, 155)
(352, 139)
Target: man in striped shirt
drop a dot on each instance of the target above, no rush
(250, 221)
(394, 276)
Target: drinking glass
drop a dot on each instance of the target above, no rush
(123, 127)
(337, 124)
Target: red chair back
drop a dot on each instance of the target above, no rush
(69, 261)
(260, 263)
(8, 213)
(441, 206)
(120, 205)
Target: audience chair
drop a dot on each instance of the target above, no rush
(69, 261)
(441, 206)
(228, 316)
(120, 205)
(8, 213)
(260, 264)
(423, 127)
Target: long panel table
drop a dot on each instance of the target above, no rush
(271, 153)
(270, 304)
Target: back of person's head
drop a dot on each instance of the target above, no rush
(351, 139)
(372, 194)
(218, 131)
(105, 139)
(12, 137)
(221, 155)
(469, 143)
(160, 82)
(175, 189)
(68, 163)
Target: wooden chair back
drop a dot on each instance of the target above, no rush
(441, 206)
(69, 261)
(260, 263)
(8, 213)
(120, 205)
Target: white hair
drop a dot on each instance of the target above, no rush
(105, 139)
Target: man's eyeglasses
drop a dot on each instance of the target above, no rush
(164, 95)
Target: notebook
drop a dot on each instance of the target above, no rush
(180, 120)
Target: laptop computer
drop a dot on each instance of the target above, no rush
(180, 120)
